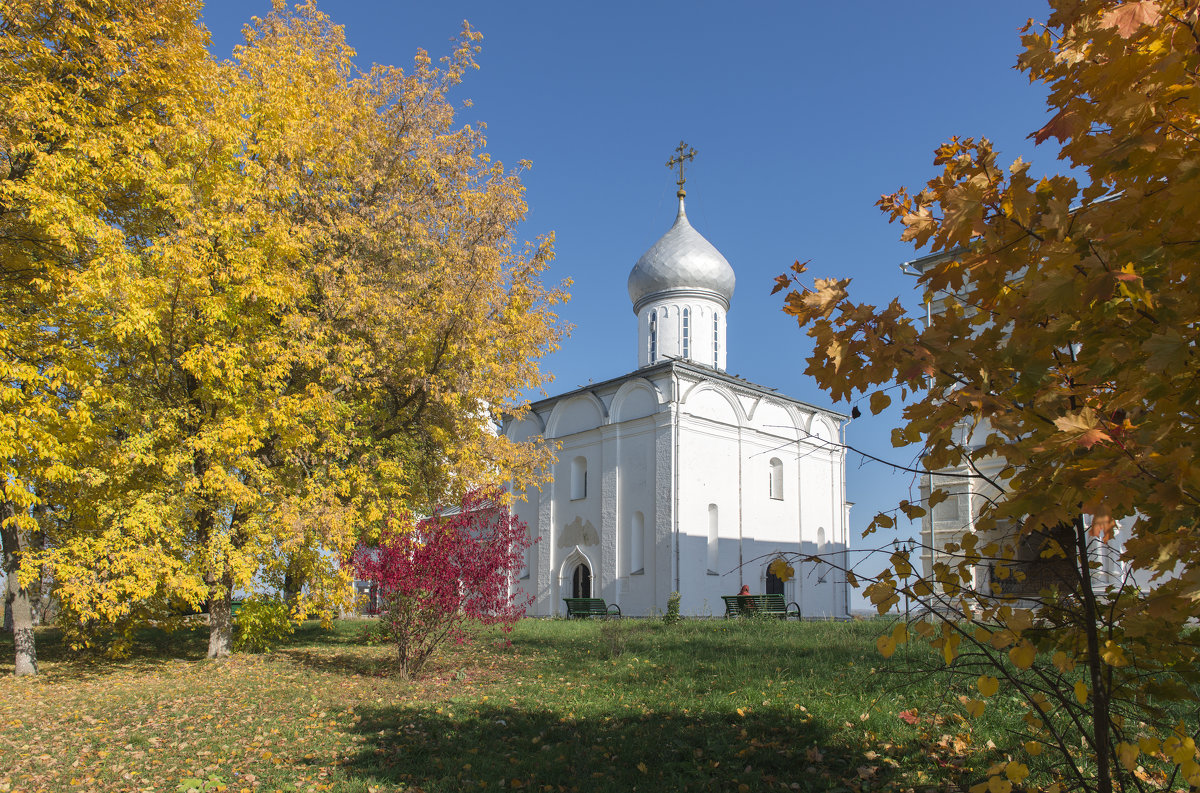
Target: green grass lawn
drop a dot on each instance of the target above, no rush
(569, 706)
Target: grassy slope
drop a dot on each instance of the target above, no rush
(592, 706)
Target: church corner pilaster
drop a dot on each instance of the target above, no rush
(610, 514)
(545, 550)
(741, 505)
(665, 508)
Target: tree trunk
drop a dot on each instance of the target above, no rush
(220, 619)
(1101, 722)
(16, 598)
(292, 584)
(220, 586)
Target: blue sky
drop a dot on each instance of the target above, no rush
(802, 114)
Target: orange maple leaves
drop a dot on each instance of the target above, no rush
(1082, 428)
(1129, 17)
(1060, 373)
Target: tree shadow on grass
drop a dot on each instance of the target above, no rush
(148, 645)
(153, 644)
(503, 746)
(313, 632)
(342, 662)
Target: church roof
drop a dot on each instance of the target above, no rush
(688, 367)
(681, 260)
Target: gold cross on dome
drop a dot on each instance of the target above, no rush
(683, 154)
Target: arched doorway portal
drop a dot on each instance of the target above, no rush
(774, 584)
(581, 581)
(575, 575)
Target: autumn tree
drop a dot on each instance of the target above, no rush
(202, 415)
(329, 307)
(450, 571)
(1062, 376)
(86, 91)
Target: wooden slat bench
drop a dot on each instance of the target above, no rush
(591, 607)
(770, 605)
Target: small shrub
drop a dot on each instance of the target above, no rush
(261, 624)
(196, 785)
(672, 615)
(444, 573)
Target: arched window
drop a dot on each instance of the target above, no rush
(653, 336)
(717, 339)
(687, 333)
(578, 478)
(776, 479)
(822, 570)
(713, 538)
(637, 543)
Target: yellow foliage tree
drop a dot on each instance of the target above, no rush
(85, 90)
(310, 339)
(1067, 353)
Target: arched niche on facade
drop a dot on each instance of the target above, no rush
(635, 399)
(775, 466)
(580, 413)
(710, 401)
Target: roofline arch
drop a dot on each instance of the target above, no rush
(627, 388)
(794, 414)
(834, 441)
(530, 415)
(560, 407)
(729, 396)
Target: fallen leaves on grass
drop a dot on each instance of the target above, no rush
(540, 716)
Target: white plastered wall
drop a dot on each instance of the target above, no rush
(669, 448)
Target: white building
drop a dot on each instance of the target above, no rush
(970, 491)
(678, 476)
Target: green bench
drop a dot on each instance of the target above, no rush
(770, 605)
(590, 607)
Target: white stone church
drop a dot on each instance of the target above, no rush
(679, 477)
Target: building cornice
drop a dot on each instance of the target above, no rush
(689, 369)
(681, 295)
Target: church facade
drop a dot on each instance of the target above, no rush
(679, 477)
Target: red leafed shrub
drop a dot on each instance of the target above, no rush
(447, 571)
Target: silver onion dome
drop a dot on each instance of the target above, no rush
(681, 261)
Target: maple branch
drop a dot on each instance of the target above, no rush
(1146, 472)
(1184, 132)
(1023, 227)
(895, 466)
